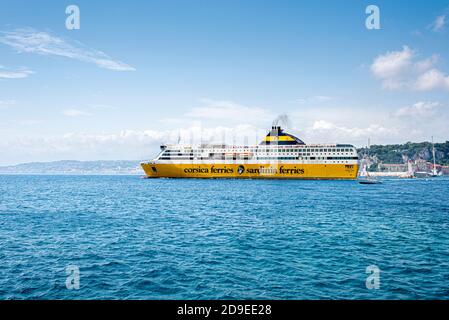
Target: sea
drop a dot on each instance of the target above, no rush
(124, 237)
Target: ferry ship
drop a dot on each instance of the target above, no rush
(279, 156)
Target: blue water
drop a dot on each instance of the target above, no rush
(136, 238)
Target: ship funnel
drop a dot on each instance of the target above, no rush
(279, 137)
(276, 130)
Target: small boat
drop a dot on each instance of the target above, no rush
(434, 172)
(370, 181)
(421, 174)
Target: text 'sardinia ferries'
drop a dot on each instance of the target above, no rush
(279, 156)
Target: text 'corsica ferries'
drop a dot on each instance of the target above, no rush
(279, 156)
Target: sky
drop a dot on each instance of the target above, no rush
(137, 74)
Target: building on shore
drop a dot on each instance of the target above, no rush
(407, 170)
(399, 170)
(395, 167)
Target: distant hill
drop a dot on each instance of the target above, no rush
(401, 153)
(75, 167)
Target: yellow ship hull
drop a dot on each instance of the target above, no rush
(251, 171)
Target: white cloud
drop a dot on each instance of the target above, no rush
(75, 113)
(144, 144)
(392, 64)
(419, 109)
(14, 74)
(439, 23)
(29, 122)
(349, 133)
(222, 112)
(4, 104)
(432, 79)
(416, 33)
(402, 70)
(189, 135)
(228, 111)
(126, 144)
(314, 99)
(42, 43)
(171, 121)
(102, 106)
(313, 125)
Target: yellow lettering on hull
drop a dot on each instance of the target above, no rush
(252, 171)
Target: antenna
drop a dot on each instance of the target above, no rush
(367, 155)
(367, 148)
